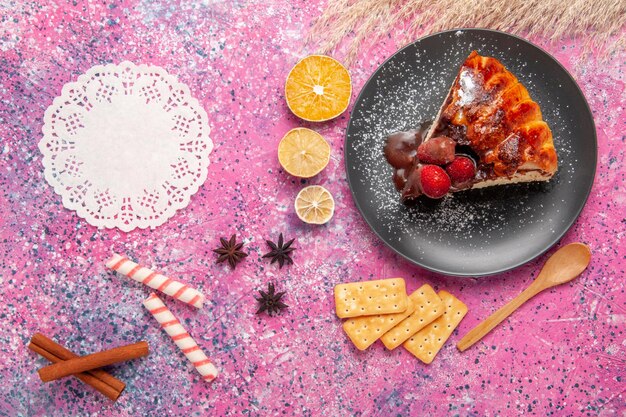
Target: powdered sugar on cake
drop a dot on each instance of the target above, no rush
(470, 88)
(409, 92)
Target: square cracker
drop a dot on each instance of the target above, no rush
(369, 298)
(428, 307)
(426, 343)
(363, 331)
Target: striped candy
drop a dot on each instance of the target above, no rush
(152, 279)
(183, 340)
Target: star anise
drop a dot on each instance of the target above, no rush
(230, 251)
(270, 301)
(280, 252)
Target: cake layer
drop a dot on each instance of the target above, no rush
(491, 112)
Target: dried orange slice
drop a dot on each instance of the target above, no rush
(303, 152)
(315, 205)
(318, 88)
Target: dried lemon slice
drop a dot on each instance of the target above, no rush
(318, 88)
(315, 205)
(303, 152)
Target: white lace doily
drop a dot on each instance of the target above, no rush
(125, 146)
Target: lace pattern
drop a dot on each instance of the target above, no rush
(125, 146)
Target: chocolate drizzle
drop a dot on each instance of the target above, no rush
(401, 150)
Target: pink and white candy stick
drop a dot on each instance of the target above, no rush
(179, 335)
(152, 279)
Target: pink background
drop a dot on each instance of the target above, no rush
(562, 354)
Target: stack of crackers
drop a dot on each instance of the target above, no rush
(381, 309)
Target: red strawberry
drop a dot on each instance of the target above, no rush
(461, 170)
(438, 151)
(434, 181)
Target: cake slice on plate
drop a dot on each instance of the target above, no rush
(488, 132)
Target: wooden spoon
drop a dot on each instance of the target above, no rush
(563, 266)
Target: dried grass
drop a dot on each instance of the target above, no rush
(360, 23)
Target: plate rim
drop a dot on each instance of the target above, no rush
(557, 237)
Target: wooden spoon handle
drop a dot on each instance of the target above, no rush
(496, 318)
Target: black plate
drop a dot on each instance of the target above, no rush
(478, 232)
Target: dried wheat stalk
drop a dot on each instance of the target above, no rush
(362, 22)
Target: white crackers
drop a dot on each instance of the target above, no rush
(428, 306)
(369, 298)
(365, 330)
(380, 309)
(152, 279)
(179, 335)
(426, 343)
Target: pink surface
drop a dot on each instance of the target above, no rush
(563, 354)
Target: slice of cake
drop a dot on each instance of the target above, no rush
(488, 132)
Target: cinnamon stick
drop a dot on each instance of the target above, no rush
(87, 378)
(93, 361)
(65, 354)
